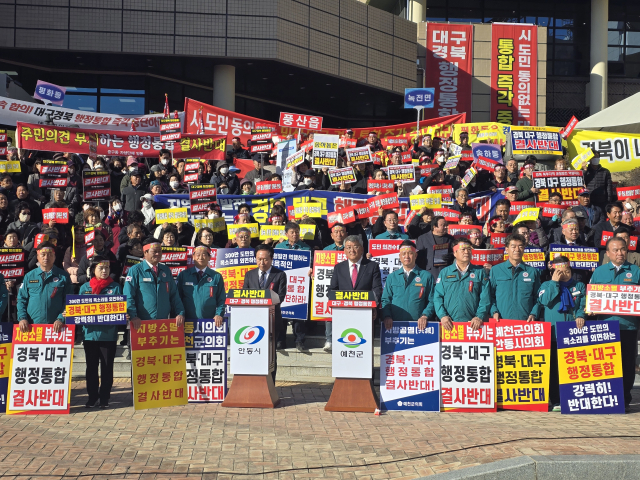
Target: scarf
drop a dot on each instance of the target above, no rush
(98, 285)
(566, 299)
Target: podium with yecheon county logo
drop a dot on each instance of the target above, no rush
(352, 352)
(252, 349)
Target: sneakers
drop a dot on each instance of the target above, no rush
(327, 346)
(556, 408)
(300, 347)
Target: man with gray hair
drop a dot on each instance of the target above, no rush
(460, 204)
(243, 238)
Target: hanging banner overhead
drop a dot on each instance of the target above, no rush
(514, 73)
(449, 67)
(619, 152)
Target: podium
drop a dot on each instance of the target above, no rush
(252, 349)
(352, 352)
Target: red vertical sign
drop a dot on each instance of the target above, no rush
(514, 74)
(449, 68)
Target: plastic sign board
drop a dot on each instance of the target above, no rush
(419, 97)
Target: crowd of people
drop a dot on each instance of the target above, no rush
(445, 289)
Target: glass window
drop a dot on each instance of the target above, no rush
(86, 103)
(544, 21)
(632, 54)
(614, 54)
(615, 68)
(122, 105)
(121, 91)
(436, 14)
(564, 68)
(564, 22)
(564, 35)
(633, 38)
(81, 90)
(615, 38)
(564, 52)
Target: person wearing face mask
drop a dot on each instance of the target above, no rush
(175, 185)
(148, 211)
(309, 181)
(25, 228)
(22, 194)
(132, 165)
(224, 174)
(166, 161)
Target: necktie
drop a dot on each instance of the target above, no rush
(406, 278)
(262, 275)
(155, 270)
(354, 275)
(200, 275)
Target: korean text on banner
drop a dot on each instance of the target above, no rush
(523, 365)
(427, 200)
(233, 264)
(171, 215)
(296, 265)
(492, 132)
(176, 258)
(97, 186)
(386, 254)
(514, 74)
(581, 258)
(215, 224)
(200, 197)
(590, 367)
(96, 310)
(619, 152)
(295, 159)
(339, 175)
(6, 334)
(410, 367)
(613, 299)
(491, 256)
(449, 67)
(532, 256)
(535, 141)
(401, 173)
(206, 354)
(566, 182)
(468, 368)
(582, 159)
(298, 120)
(58, 215)
(41, 370)
(323, 263)
(527, 215)
(626, 193)
(359, 155)
(12, 263)
(325, 151)
(486, 150)
(310, 209)
(159, 366)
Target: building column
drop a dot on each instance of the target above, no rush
(418, 10)
(224, 87)
(598, 82)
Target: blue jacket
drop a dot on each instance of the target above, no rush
(43, 300)
(149, 298)
(299, 245)
(101, 333)
(203, 299)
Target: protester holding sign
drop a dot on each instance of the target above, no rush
(632, 257)
(98, 244)
(293, 242)
(100, 340)
(41, 297)
(526, 190)
(561, 299)
(614, 215)
(621, 272)
(390, 219)
(514, 285)
(150, 289)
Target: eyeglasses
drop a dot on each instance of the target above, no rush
(243, 237)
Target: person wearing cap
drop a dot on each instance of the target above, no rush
(293, 242)
(100, 340)
(246, 187)
(408, 291)
(526, 190)
(597, 180)
(147, 210)
(227, 174)
(612, 225)
(42, 295)
(201, 289)
(514, 285)
(461, 291)
(511, 193)
(131, 196)
(592, 213)
(621, 272)
(151, 292)
(155, 187)
(561, 299)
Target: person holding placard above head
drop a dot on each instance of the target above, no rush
(201, 289)
(293, 242)
(462, 290)
(151, 292)
(100, 340)
(561, 299)
(514, 285)
(621, 272)
(408, 292)
(42, 295)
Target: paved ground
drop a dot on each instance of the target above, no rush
(197, 441)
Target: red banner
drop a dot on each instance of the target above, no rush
(550, 210)
(566, 131)
(380, 186)
(448, 214)
(343, 215)
(298, 120)
(461, 231)
(498, 239)
(514, 74)
(628, 193)
(110, 142)
(388, 202)
(486, 164)
(59, 215)
(517, 207)
(268, 187)
(492, 257)
(449, 67)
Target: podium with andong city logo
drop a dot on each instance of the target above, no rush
(252, 349)
(352, 352)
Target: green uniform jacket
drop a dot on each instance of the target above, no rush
(392, 236)
(298, 246)
(408, 303)
(43, 301)
(627, 275)
(103, 333)
(452, 296)
(151, 299)
(333, 246)
(549, 300)
(203, 299)
(514, 295)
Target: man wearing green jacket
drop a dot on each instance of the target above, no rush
(42, 295)
(526, 190)
(202, 289)
(293, 242)
(561, 299)
(338, 234)
(621, 272)
(514, 285)
(150, 289)
(408, 292)
(462, 290)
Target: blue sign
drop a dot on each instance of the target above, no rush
(419, 97)
(206, 350)
(410, 367)
(96, 309)
(6, 336)
(581, 258)
(487, 150)
(49, 92)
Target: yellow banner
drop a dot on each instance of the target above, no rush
(490, 132)
(160, 378)
(274, 232)
(96, 309)
(590, 363)
(172, 215)
(619, 152)
(234, 276)
(582, 159)
(232, 229)
(5, 359)
(310, 209)
(428, 200)
(215, 224)
(527, 215)
(9, 167)
(579, 256)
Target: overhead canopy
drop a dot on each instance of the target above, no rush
(622, 117)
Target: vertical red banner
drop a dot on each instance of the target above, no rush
(449, 67)
(514, 74)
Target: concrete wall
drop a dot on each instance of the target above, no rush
(345, 38)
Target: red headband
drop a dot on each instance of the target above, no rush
(494, 221)
(148, 246)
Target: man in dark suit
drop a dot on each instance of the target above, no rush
(266, 276)
(356, 273)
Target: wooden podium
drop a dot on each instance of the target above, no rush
(352, 352)
(252, 349)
